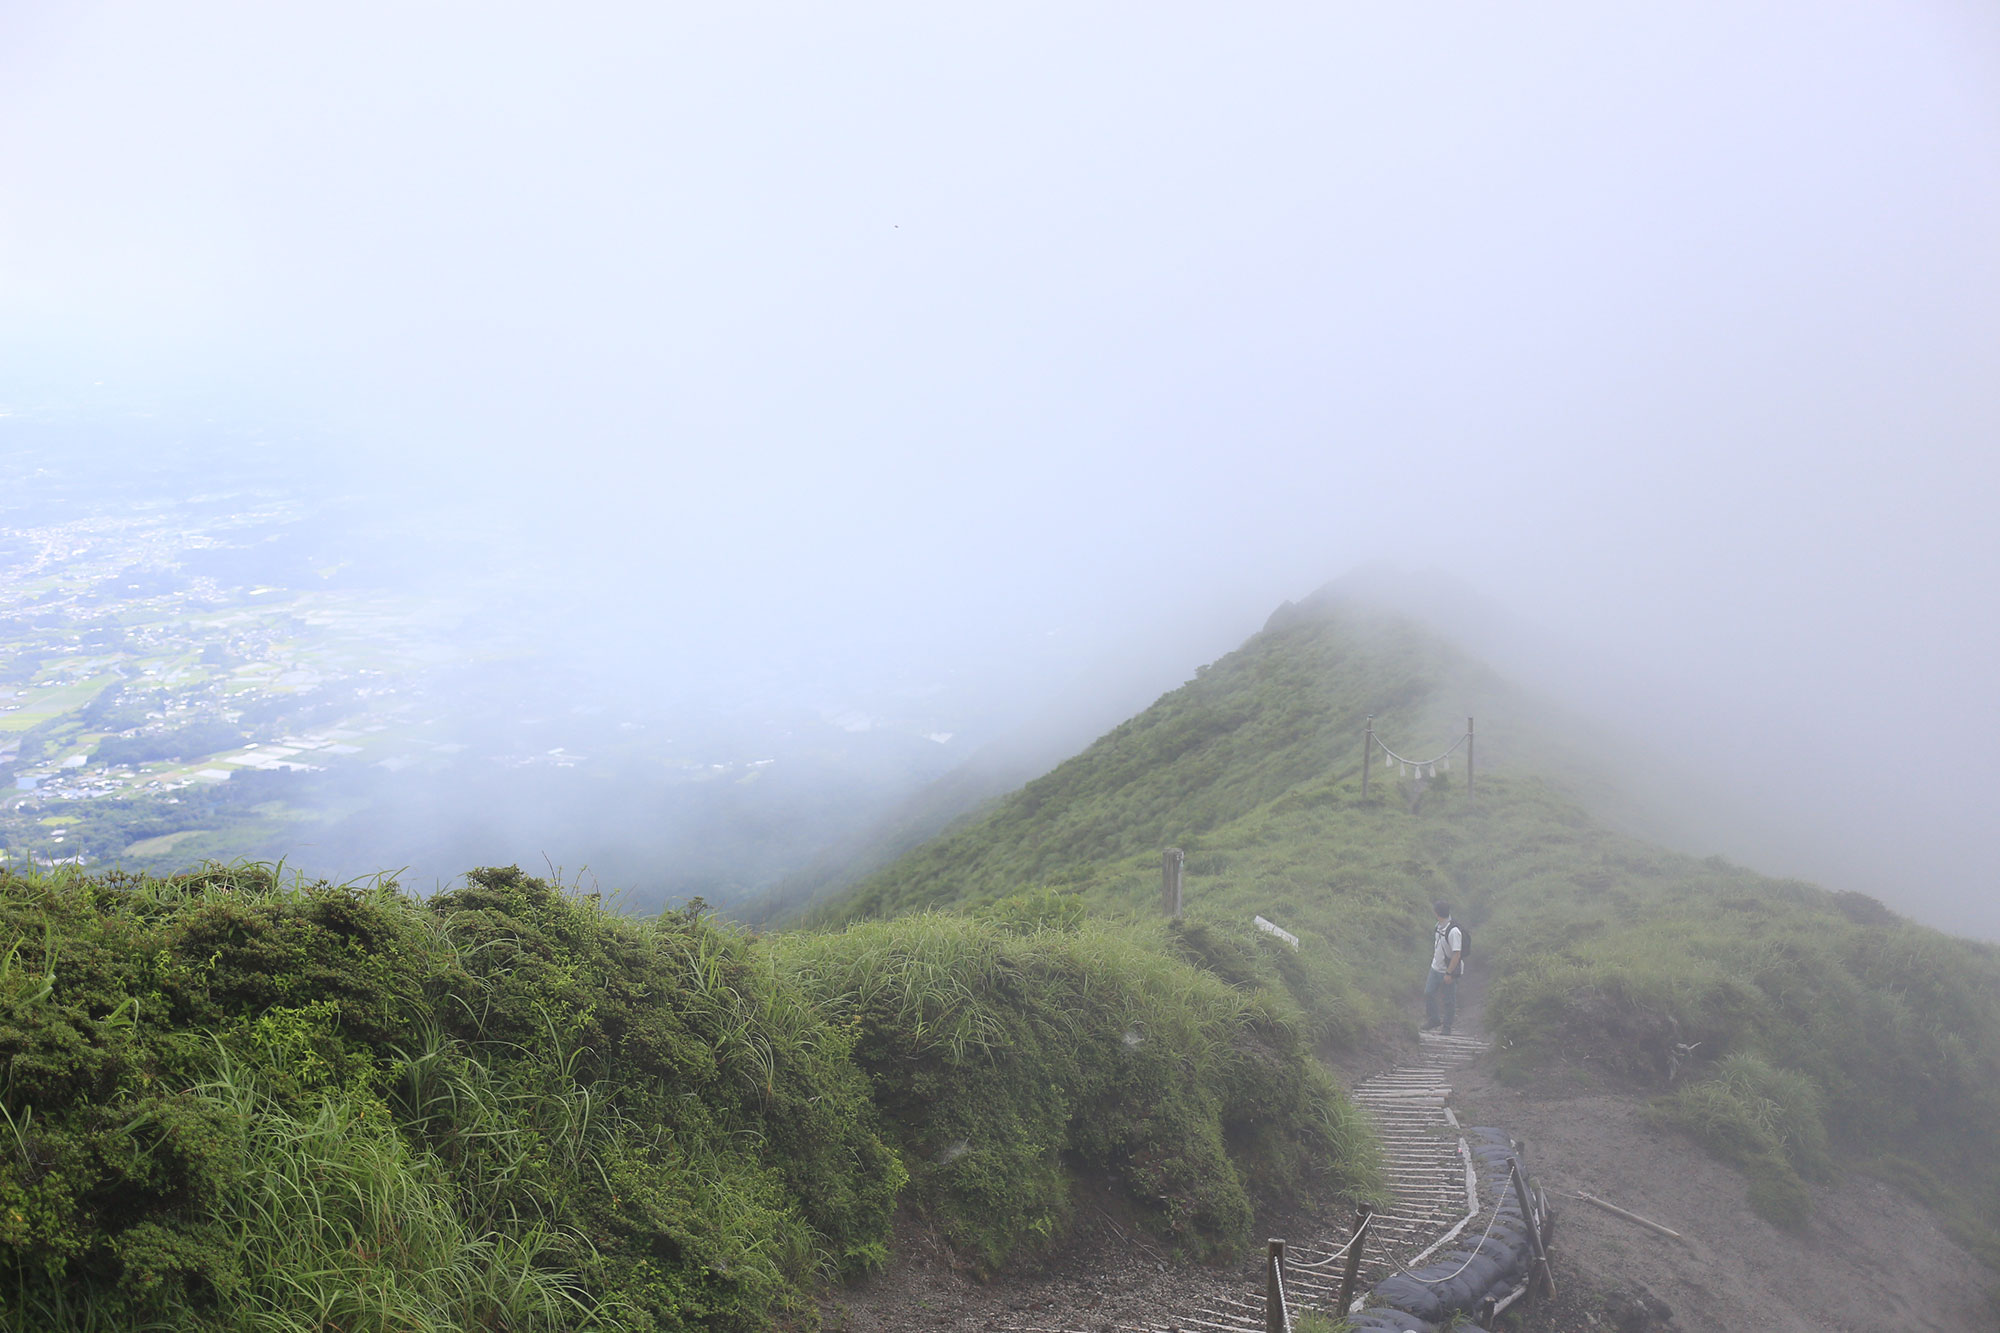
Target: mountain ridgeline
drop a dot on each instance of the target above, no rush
(236, 1100)
(1826, 1031)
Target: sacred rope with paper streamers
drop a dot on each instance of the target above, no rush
(1424, 767)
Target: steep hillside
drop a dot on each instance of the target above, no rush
(1823, 1031)
(1282, 713)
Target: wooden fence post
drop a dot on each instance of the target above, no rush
(1171, 863)
(1468, 756)
(1355, 1244)
(1274, 1290)
(1367, 752)
(1538, 1263)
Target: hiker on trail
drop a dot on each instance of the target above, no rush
(1447, 962)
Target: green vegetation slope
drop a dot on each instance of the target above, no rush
(234, 1101)
(1823, 1029)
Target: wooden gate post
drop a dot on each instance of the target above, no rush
(1171, 862)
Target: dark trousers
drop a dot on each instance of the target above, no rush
(1436, 988)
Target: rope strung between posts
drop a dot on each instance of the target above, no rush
(1499, 1196)
(1330, 1259)
(1419, 763)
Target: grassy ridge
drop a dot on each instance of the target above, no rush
(1824, 1029)
(1277, 715)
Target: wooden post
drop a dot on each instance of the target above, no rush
(1170, 882)
(1367, 753)
(1468, 756)
(1274, 1291)
(1357, 1243)
(1616, 1211)
(1538, 1263)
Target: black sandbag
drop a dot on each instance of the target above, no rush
(1511, 1250)
(1510, 1262)
(1413, 1297)
(1475, 1277)
(1382, 1319)
(1505, 1256)
(1389, 1321)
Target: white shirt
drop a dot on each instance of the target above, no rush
(1445, 944)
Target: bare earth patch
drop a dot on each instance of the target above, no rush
(1868, 1258)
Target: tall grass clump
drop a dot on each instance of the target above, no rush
(1007, 1056)
(237, 1100)
(1765, 1120)
(333, 1220)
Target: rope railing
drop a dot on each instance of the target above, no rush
(1440, 1281)
(1328, 1262)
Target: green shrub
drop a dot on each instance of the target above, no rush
(1318, 1321)
(234, 1099)
(1004, 1056)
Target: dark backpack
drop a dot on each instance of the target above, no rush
(1464, 940)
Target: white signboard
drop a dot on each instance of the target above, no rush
(1279, 931)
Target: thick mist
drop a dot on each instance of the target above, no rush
(799, 386)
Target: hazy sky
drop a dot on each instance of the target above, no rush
(853, 334)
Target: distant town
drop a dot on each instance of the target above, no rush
(136, 677)
(210, 679)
